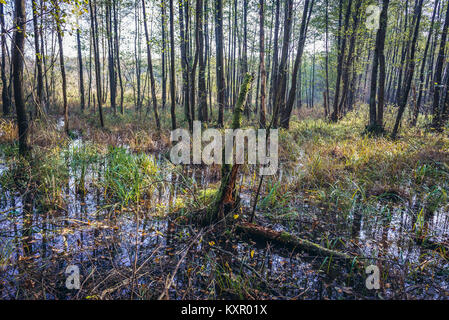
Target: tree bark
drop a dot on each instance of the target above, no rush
(17, 72)
(111, 59)
(6, 99)
(172, 70)
(150, 69)
(410, 68)
(263, 74)
(117, 55)
(225, 199)
(39, 78)
(94, 27)
(219, 61)
(80, 65)
(275, 70)
(59, 22)
(437, 80)
(376, 114)
(185, 65)
(341, 54)
(423, 67)
(281, 78)
(286, 112)
(290, 240)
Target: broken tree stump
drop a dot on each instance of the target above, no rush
(226, 199)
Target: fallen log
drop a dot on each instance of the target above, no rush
(289, 240)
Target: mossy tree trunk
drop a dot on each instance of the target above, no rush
(226, 197)
(291, 241)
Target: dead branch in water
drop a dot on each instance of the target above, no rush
(289, 240)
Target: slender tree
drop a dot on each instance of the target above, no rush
(423, 66)
(281, 85)
(111, 59)
(410, 67)
(376, 114)
(39, 77)
(117, 55)
(94, 30)
(150, 69)
(80, 66)
(219, 60)
(286, 112)
(263, 73)
(17, 73)
(172, 70)
(202, 91)
(163, 59)
(59, 22)
(6, 101)
(437, 80)
(336, 114)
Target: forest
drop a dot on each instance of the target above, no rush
(349, 100)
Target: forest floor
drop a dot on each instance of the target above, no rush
(110, 202)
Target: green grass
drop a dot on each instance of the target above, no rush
(128, 177)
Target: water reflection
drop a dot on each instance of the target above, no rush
(131, 252)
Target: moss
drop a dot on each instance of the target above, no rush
(286, 237)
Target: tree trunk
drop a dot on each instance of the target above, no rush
(185, 65)
(59, 22)
(172, 69)
(225, 199)
(80, 64)
(336, 114)
(376, 114)
(410, 68)
(291, 241)
(263, 73)
(423, 67)
(17, 72)
(350, 56)
(437, 80)
(286, 112)
(202, 91)
(163, 63)
(219, 61)
(94, 27)
(281, 78)
(326, 95)
(275, 71)
(117, 55)
(111, 59)
(6, 99)
(150, 69)
(39, 77)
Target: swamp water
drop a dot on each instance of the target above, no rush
(143, 251)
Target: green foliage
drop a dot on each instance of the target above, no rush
(52, 174)
(128, 176)
(276, 197)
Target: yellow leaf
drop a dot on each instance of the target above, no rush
(252, 254)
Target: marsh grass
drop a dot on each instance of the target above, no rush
(340, 162)
(337, 172)
(128, 177)
(8, 130)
